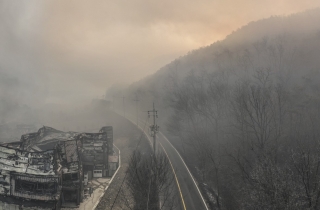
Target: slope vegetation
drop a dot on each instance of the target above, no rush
(245, 113)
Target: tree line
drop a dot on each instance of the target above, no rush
(253, 128)
(244, 113)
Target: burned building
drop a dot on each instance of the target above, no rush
(29, 179)
(45, 170)
(113, 159)
(45, 138)
(70, 170)
(94, 154)
(95, 147)
(13, 144)
(96, 150)
(109, 132)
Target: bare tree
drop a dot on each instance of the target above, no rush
(150, 183)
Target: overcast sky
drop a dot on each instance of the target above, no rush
(70, 49)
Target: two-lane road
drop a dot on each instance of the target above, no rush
(190, 195)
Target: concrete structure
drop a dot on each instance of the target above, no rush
(70, 170)
(46, 169)
(29, 176)
(96, 150)
(94, 154)
(113, 162)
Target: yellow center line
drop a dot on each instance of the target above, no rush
(184, 205)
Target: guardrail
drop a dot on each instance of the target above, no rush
(105, 189)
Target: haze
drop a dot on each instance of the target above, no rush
(62, 51)
(227, 91)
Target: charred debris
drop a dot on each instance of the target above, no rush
(49, 169)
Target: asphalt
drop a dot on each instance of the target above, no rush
(190, 195)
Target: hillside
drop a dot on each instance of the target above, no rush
(296, 38)
(244, 113)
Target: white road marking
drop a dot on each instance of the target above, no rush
(105, 189)
(205, 204)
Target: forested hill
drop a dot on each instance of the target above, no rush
(245, 113)
(295, 37)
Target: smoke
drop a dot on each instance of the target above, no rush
(66, 52)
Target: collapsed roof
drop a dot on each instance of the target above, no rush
(38, 163)
(45, 135)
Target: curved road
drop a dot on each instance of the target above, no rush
(190, 195)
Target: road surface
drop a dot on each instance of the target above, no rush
(190, 195)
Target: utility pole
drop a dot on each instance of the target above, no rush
(137, 101)
(154, 128)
